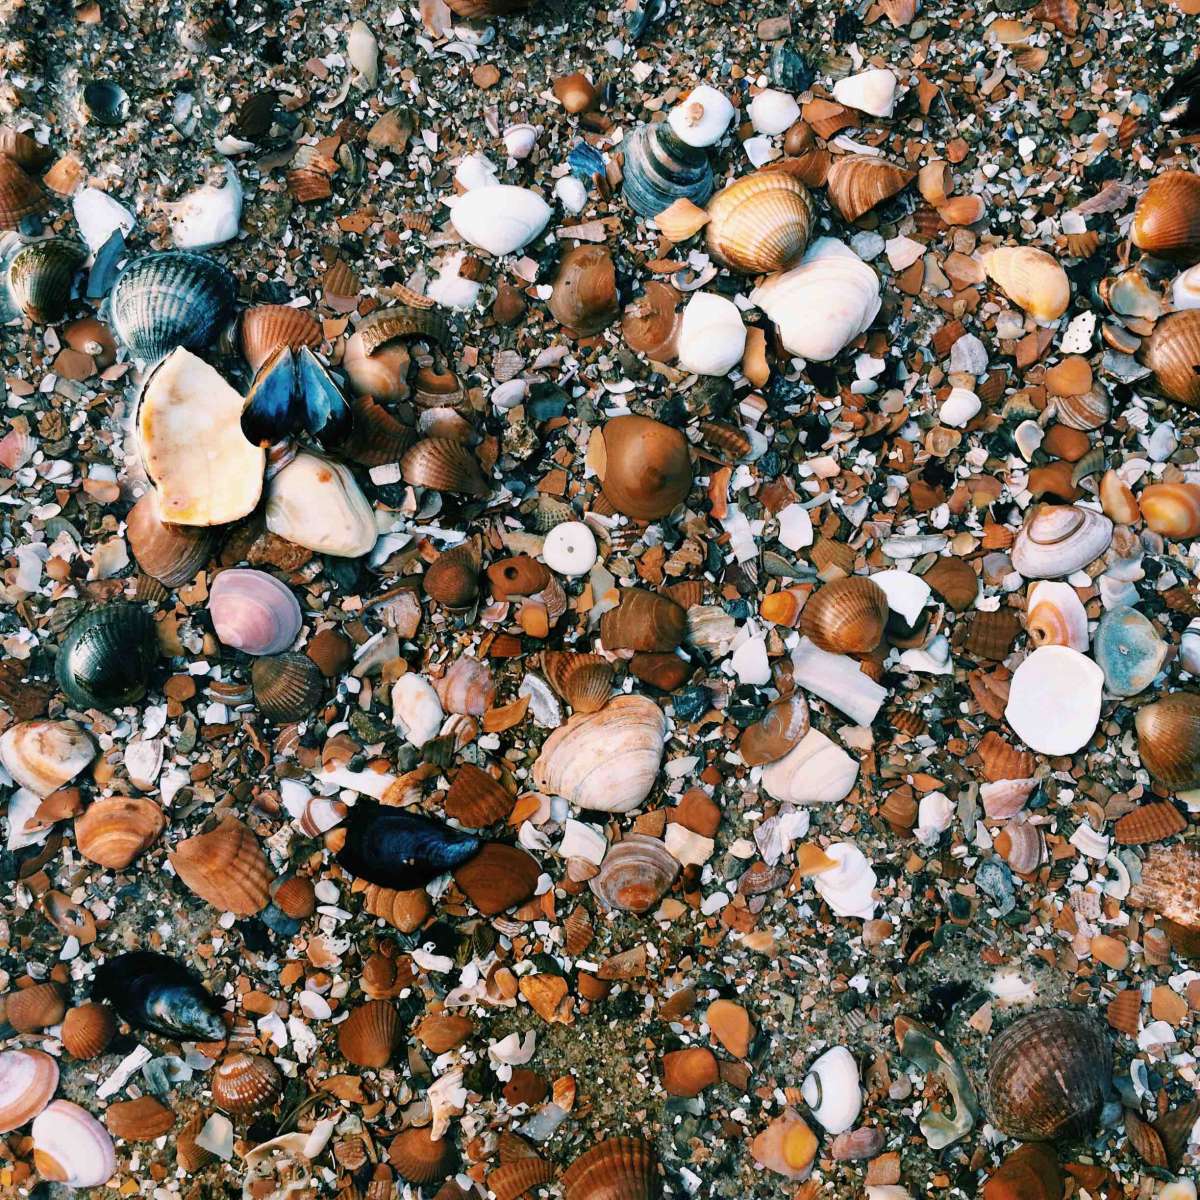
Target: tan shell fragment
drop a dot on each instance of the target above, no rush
(681, 220)
(1031, 279)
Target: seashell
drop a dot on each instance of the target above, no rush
(188, 1154)
(28, 1080)
(1049, 1075)
(760, 223)
(859, 182)
(70, 1146)
(87, 1031)
(441, 1032)
(1148, 823)
(172, 554)
(371, 1034)
(104, 101)
(193, 447)
(40, 277)
(1055, 616)
(712, 338)
(872, 91)
(419, 1157)
(963, 210)
(1031, 279)
(831, 1089)
(935, 182)
(780, 731)
(452, 579)
(1172, 509)
(688, 1072)
(34, 1008)
(846, 616)
(315, 502)
(1054, 700)
(44, 756)
(406, 910)
(1006, 797)
(155, 992)
(497, 878)
(113, 830)
(1129, 651)
(474, 10)
(584, 295)
(635, 875)
(650, 324)
(140, 1120)
(253, 611)
(864, 1142)
(772, 112)
(848, 889)
(824, 303)
(287, 687)
(1030, 1172)
(416, 709)
(815, 771)
(1170, 887)
(500, 219)
(511, 1180)
(294, 896)
(1173, 354)
(1087, 411)
(246, 1084)
(606, 761)
(955, 581)
(23, 149)
(1021, 845)
(107, 656)
(376, 437)
(163, 301)
(701, 117)
(1169, 739)
(1001, 760)
(1057, 540)
(1166, 221)
(787, 1146)
(520, 139)
(444, 465)
(681, 220)
(1185, 289)
(398, 849)
(382, 375)
(467, 687)
(584, 681)
(660, 168)
(326, 414)
(272, 412)
(21, 196)
(209, 215)
(267, 328)
(519, 575)
(618, 1168)
(69, 918)
(646, 470)
(226, 867)
(647, 621)
(476, 800)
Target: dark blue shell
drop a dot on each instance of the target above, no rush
(397, 849)
(585, 162)
(326, 413)
(155, 992)
(789, 69)
(107, 657)
(660, 169)
(273, 412)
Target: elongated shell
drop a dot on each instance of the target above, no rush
(1031, 279)
(246, 1084)
(858, 182)
(401, 850)
(28, 1079)
(1129, 651)
(40, 276)
(315, 502)
(253, 611)
(846, 616)
(172, 554)
(643, 620)
(140, 1120)
(226, 867)
(70, 1146)
(370, 1034)
(500, 219)
(1166, 221)
(636, 873)
(647, 470)
(45, 755)
(1172, 509)
(1049, 1075)
(584, 681)
(584, 296)
(1059, 539)
(1173, 354)
(1055, 616)
(606, 761)
(107, 657)
(760, 223)
(1169, 739)
(444, 465)
(156, 992)
(815, 771)
(113, 830)
(1147, 823)
(618, 1168)
(661, 168)
(266, 328)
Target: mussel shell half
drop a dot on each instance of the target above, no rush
(659, 168)
(326, 413)
(273, 412)
(397, 849)
(155, 992)
(107, 657)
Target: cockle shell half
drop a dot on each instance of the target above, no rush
(760, 222)
(253, 611)
(712, 336)
(1031, 279)
(226, 867)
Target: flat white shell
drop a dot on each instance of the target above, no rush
(872, 91)
(907, 594)
(712, 337)
(500, 219)
(847, 887)
(772, 111)
(1054, 700)
(831, 1089)
(815, 771)
(316, 503)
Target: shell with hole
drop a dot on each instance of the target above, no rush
(1055, 616)
(760, 223)
(226, 867)
(316, 503)
(859, 182)
(1032, 279)
(44, 756)
(636, 873)
(646, 469)
(815, 771)
(712, 337)
(500, 219)
(832, 1090)
(1059, 539)
(70, 1146)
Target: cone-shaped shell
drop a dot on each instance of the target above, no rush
(40, 277)
(113, 830)
(858, 182)
(87, 1030)
(1055, 616)
(140, 1120)
(315, 502)
(1166, 221)
(225, 867)
(444, 465)
(760, 223)
(618, 1168)
(846, 616)
(107, 657)
(500, 219)
(1172, 509)
(645, 621)
(1031, 279)
(1049, 1075)
(268, 327)
(606, 761)
(497, 878)
(780, 731)
(646, 470)
(635, 875)
(44, 756)
(476, 800)
(253, 611)
(370, 1034)
(1169, 739)
(1170, 886)
(1173, 354)
(246, 1084)
(172, 554)
(70, 1146)
(661, 168)
(584, 681)
(1129, 650)
(1059, 539)
(584, 297)
(419, 1157)
(287, 687)
(28, 1079)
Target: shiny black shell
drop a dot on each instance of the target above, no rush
(397, 849)
(107, 657)
(153, 991)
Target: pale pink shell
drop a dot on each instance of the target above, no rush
(254, 611)
(70, 1146)
(27, 1081)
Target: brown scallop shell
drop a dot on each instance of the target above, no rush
(780, 730)
(810, 165)
(246, 1084)
(650, 323)
(25, 151)
(226, 867)
(577, 931)
(858, 182)
(846, 616)
(991, 635)
(452, 579)
(635, 875)
(294, 896)
(584, 295)
(618, 1168)
(513, 1179)
(584, 681)
(498, 877)
(476, 800)
(268, 327)
(646, 470)
(645, 621)
(443, 465)
(1169, 739)
(20, 196)
(1166, 221)
(172, 554)
(1170, 886)
(1149, 823)
(376, 436)
(1001, 760)
(441, 1032)
(188, 1155)
(760, 222)
(287, 687)
(87, 1030)
(955, 581)
(369, 1036)
(114, 829)
(1124, 1011)
(140, 1120)
(1049, 1075)
(1173, 354)
(31, 1009)
(419, 1157)
(406, 910)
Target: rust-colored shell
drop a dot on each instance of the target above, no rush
(246, 1084)
(140, 1120)
(1030, 1172)
(584, 681)
(1166, 221)
(1149, 823)
(1170, 886)
(846, 616)
(114, 830)
(618, 1168)
(1173, 354)
(646, 470)
(688, 1072)
(781, 729)
(406, 910)
(368, 1037)
(663, 671)
(650, 324)
(646, 621)
(226, 867)
(858, 182)
(294, 896)
(268, 327)
(760, 222)
(1123, 1012)
(444, 465)
(24, 150)
(34, 1008)
(420, 1157)
(1049, 1075)
(1169, 739)
(635, 875)
(1172, 509)
(785, 606)
(511, 1180)
(440, 1032)
(584, 296)
(473, 9)
(476, 800)
(87, 1030)
(172, 554)
(991, 635)
(955, 581)
(452, 579)
(20, 196)
(287, 687)
(498, 877)
(188, 1155)
(376, 436)
(577, 931)
(1001, 760)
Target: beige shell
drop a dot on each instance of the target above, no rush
(1170, 887)
(858, 182)
(636, 873)
(246, 1084)
(70, 1146)
(681, 220)
(316, 503)
(113, 830)
(760, 223)
(28, 1079)
(584, 681)
(786, 1146)
(1031, 279)
(44, 756)
(226, 867)
(1172, 509)
(1058, 539)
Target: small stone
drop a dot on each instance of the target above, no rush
(485, 76)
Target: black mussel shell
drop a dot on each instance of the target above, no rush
(155, 992)
(326, 413)
(1181, 101)
(105, 102)
(106, 659)
(273, 409)
(396, 849)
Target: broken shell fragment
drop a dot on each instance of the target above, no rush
(1031, 1172)
(1129, 651)
(416, 709)
(44, 756)
(1170, 887)
(253, 611)
(921, 1045)
(1054, 700)
(772, 112)
(681, 220)
(1031, 279)
(859, 182)
(832, 1090)
(140, 1120)
(815, 771)
(849, 887)
(701, 117)
(645, 621)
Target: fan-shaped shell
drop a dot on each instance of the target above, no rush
(584, 681)
(140, 1120)
(266, 328)
(1166, 221)
(476, 800)
(370, 1035)
(497, 878)
(26, 151)
(107, 657)
(1172, 509)
(618, 1168)
(1170, 887)
(1049, 1075)
(606, 761)
(28, 1079)
(635, 875)
(36, 1007)
(1003, 761)
(511, 1180)
(681, 220)
(1169, 739)
(452, 578)
(40, 277)
(1031, 279)
(584, 296)
(846, 616)
(226, 867)
(760, 223)
(419, 1157)
(1154, 822)
(440, 1032)
(1059, 539)
(955, 581)
(1021, 845)
(376, 437)
(246, 1084)
(782, 729)
(661, 168)
(113, 830)
(70, 1146)
(647, 621)
(406, 910)
(20, 196)
(1055, 616)
(87, 1030)
(1087, 411)
(858, 182)
(647, 470)
(315, 502)
(500, 219)
(1129, 650)
(444, 465)
(253, 611)
(172, 554)
(1173, 354)
(287, 687)
(44, 756)
(650, 324)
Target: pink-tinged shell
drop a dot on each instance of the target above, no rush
(635, 875)
(254, 611)
(28, 1079)
(865, 1142)
(44, 756)
(1020, 844)
(466, 687)
(1006, 797)
(1055, 616)
(70, 1146)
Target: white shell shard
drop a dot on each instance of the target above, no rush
(838, 679)
(960, 407)
(519, 140)
(1185, 290)
(772, 111)
(500, 219)
(416, 709)
(712, 337)
(208, 216)
(193, 447)
(907, 594)
(363, 52)
(44, 756)
(1055, 615)
(98, 216)
(832, 1090)
(1054, 700)
(702, 117)
(872, 91)
(70, 1146)
(824, 303)
(475, 171)
(847, 888)
(815, 771)
(452, 289)
(750, 662)
(315, 502)
(571, 193)
(795, 527)
(934, 814)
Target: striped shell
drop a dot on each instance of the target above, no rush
(1172, 509)
(1173, 354)
(846, 616)
(760, 223)
(584, 681)
(87, 1030)
(443, 465)
(1166, 221)
(287, 687)
(660, 168)
(476, 799)
(618, 1168)
(266, 328)
(226, 867)
(140, 1120)
(419, 1157)
(28, 1079)
(1168, 734)
(40, 277)
(1031, 279)
(246, 1084)
(70, 1146)
(370, 1035)
(113, 830)
(1154, 822)
(858, 182)
(20, 196)
(172, 554)
(636, 873)
(513, 1179)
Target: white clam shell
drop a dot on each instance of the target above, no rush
(848, 887)
(416, 709)
(363, 52)
(500, 219)
(773, 111)
(832, 1090)
(519, 140)
(959, 407)
(702, 117)
(72, 1147)
(44, 756)
(815, 771)
(570, 549)
(712, 337)
(872, 91)
(1054, 700)
(208, 216)
(571, 193)
(1056, 540)
(934, 814)
(316, 503)
(1067, 611)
